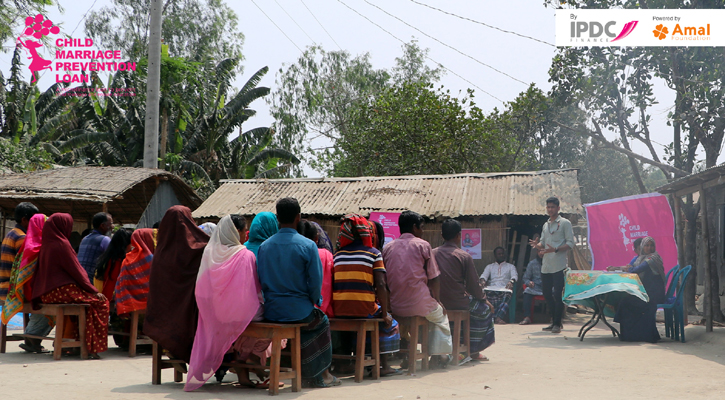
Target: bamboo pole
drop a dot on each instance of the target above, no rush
(706, 251)
(680, 232)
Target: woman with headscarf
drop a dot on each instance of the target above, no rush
(132, 287)
(171, 312)
(262, 228)
(21, 285)
(109, 263)
(227, 294)
(60, 279)
(636, 318)
(313, 231)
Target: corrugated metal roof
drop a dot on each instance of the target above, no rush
(690, 183)
(510, 193)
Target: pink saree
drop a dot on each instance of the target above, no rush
(227, 290)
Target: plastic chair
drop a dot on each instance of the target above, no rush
(674, 311)
(670, 298)
(533, 301)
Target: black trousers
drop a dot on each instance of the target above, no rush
(553, 288)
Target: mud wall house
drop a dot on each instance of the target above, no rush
(508, 207)
(133, 196)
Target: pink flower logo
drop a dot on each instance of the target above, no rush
(37, 27)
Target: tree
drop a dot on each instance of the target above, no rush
(412, 128)
(193, 29)
(412, 66)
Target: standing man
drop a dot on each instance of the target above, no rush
(557, 238)
(93, 245)
(290, 273)
(460, 289)
(413, 278)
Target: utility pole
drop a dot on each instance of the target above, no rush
(153, 87)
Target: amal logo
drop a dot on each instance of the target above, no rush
(39, 27)
(596, 32)
(686, 33)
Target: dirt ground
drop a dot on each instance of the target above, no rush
(526, 363)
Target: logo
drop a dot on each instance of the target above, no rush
(683, 33)
(628, 28)
(595, 31)
(36, 28)
(660, 31)
(629, 231)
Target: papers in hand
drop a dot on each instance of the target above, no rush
(490, 289)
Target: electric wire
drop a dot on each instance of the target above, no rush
(449, 46)
(320, 23)
(280, 29)
(293, 20)
(484, 24)
(428, 57)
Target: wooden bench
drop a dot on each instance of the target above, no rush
(412, 325)
(461, 320)
(260, 330)
(59, 311)
(361, 326)
(134, 338)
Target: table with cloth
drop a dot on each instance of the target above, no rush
(601, 291)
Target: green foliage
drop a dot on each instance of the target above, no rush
(21, 157)
(411, 128)
(194, 29)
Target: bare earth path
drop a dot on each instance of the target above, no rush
(526, 363)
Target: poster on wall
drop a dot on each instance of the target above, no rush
(389, 221)
(615, 224)
(471, 242)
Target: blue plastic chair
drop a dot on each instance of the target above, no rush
(670, 298)
(674, 310)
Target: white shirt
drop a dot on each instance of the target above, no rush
(556, 233)
(497, 276)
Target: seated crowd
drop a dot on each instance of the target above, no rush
(184, 278)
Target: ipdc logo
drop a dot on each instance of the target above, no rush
(598, 32)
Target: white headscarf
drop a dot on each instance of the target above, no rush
(222, 246)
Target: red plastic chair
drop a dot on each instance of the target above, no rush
(533, 301)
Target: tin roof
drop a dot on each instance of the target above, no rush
(507, 193)
(711, 177)
(81, 191)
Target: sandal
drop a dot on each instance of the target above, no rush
(94, 356)
(320, 383)
(392, 373)
(479, 357)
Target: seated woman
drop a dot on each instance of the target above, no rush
(171, 313)
(228, 295)
(636, 318)
(21, 285)
(262, 228)
(60, 279)
(313, 231)
(109, 263)
(132, 286)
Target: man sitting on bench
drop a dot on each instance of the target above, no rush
(359, 288)
(290, 272)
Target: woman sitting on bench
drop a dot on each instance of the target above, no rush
(60, 279)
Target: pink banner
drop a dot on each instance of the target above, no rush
(615, 224)
(389, 222)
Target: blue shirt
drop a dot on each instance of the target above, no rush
(290, 273)
(533, 274)
(92, 246)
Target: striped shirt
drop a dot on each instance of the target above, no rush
(353, 289)
(12, 243)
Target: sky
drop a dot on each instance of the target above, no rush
(277, 30)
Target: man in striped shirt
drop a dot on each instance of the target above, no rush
(359, 288)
